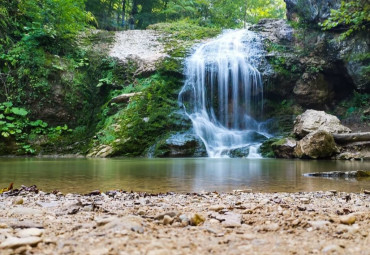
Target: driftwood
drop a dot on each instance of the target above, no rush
(352, 137)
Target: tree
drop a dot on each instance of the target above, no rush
(352, 16)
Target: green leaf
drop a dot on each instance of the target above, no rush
(19, 111)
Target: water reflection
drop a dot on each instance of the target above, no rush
(179, 175)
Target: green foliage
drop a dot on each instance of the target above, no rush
(356, 105)
(352, 16)
(15, 125)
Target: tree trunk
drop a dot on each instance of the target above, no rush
(352, 137)
(123, 13)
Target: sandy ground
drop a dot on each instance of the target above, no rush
(207, 223)
(137, 44)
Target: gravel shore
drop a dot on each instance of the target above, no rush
(241, 222)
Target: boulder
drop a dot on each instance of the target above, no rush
(239, 152)
(180, 145)
(311, 121)
(318, 144)
(284, 148)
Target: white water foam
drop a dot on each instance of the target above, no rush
(223, 92)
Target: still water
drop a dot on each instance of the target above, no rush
(178, 175)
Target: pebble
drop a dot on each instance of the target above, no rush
(367, 192)
(230, 220)
(319, 224)
(18, 201)
(161, 216)
(347, 219)
(213, 221)
(167, 220)
(30, 232)
(217, 208)
(14, 242)
(331, 248)
(137, 229)
(197, 219)
(25, 211)
(3, 225)
(305, 200)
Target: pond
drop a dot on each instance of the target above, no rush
(178, 175)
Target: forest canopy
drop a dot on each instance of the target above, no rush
(112, 14)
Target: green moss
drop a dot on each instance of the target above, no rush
(266, 148)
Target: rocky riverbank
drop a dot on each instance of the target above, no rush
(242, 222)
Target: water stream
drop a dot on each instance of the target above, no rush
(223, 93)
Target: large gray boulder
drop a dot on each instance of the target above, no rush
(312, 120)
(319, 144)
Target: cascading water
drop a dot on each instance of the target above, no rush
(223, 92)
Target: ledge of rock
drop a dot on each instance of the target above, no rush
(140, 46)
(124, 98)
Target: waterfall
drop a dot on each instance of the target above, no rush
(223, 92)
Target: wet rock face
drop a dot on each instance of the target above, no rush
(181, 145)
(311, 121)
(349, 51)
(311, 10)
(319, 144)
(313, 91)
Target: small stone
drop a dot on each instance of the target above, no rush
(141, 213)
(333, 191)
(30, 232)
(14, 242)
(213, 221)
(217, 208)
(331, 248)
(319, 224)
(25, 211)
(3, 225)
(347, 219)
(18, 201)
(367, 192)
(271, 227)
(197, 219)
(249, 236)
(88, 208)
(305, 200)
(104, 221)
(138, 229)
(167, 220)
(230, 220)
(161, 216)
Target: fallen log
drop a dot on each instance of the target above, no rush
(352, 137)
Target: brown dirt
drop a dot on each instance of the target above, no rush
(137, 223)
